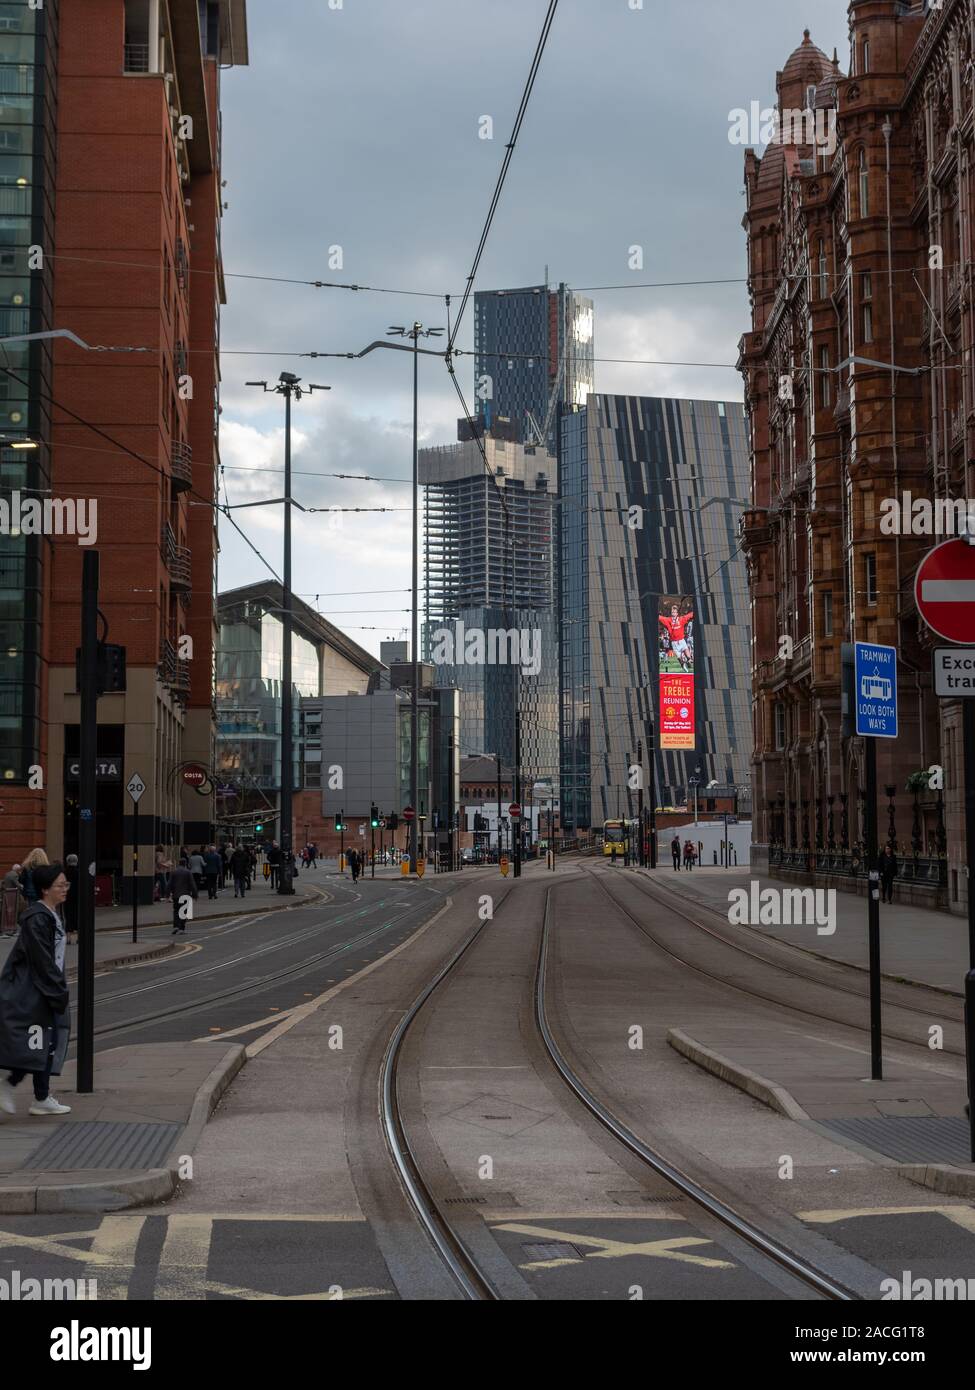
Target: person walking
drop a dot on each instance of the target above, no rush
(197, 867)
(688, 855)
(888, 872)
(184, 890)
(675, 851)
(274, 859)
(240, 867)
(354, 864)
(163, 866)
(34, 1021)
(12, 901)
(212, 865)
(70, 910)
(312, 855)
(35, 860)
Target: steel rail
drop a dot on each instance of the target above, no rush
(771, 1248)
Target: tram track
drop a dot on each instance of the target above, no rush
(467, 1270)
(657, 896)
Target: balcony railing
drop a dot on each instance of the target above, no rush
(177, 559)
(136, 57)
(181, 464)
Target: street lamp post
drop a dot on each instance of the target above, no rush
(415, 333)
(288, 386)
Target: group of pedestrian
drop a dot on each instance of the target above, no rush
(19, 891)
(309, 856)
(685, 852)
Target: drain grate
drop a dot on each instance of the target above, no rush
(104, 1144)
(553, 1250)
(909, 1138)
(498, 1200)
(634, 1199)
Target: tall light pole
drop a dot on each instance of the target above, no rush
(288, 386)
(415, 333)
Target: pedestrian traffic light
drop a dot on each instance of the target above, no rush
(374, 817)
(340, 820)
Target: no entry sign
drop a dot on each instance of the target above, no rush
(944, 591)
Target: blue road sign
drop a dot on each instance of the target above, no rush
(875, 673)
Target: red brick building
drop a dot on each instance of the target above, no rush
(859, 263)
(131, 240)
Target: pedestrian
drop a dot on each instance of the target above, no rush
(312, 855)
(888, 872)
(13, 901)
(212, 865)
(688, 855)
(354, 864)
(197, 866)
(34, 1021)
(184, 890)
(35, 860)
(163, 866)
(227, 853)
(70, 910)
(274, 859)
(240, 867)
(675, 851)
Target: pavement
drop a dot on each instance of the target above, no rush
(916, 944)
(820, 1075)
(129, 1142)
(126, 1144)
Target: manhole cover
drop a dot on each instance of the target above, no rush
(104, 1144)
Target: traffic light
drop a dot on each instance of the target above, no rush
(258, 830)
(392, 822)
(110, 667)
(339, 820)
(374, 817)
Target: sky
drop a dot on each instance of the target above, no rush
(352, 154)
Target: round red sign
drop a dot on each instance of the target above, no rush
(194, 775)
(514, 810)
(944, 590)
(408, 813)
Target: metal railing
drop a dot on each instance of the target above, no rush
(136, 57)
(181, 465)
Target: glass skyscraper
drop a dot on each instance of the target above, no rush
(528, 344)
(651, 493)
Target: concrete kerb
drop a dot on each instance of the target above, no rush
(303, 900)
(775, 1097)
(142, 1189)
(941, 1177)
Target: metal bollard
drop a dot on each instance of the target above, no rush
(970, 1053)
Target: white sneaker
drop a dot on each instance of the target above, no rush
(8, 1098)
(49, 1107)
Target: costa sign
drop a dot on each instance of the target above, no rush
(194, 775)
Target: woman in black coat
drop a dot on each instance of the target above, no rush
(34, 998)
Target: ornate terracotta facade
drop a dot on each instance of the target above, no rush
(860, 387)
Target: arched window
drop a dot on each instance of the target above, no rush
(823, 278)
(864, 184)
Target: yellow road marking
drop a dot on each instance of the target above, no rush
(961, 1216)
(618, 1249)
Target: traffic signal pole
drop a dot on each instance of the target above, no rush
(873, 912)
(516, 820)
(87, 784)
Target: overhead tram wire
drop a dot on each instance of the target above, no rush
(139, 458)
(509, 150)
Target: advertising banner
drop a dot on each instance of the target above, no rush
(675, 619)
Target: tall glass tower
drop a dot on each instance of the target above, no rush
(651, 493)
(531, 345)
